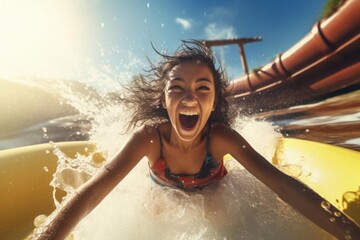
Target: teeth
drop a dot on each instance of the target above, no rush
(189, 113)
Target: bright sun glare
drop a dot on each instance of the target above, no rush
(38, 37)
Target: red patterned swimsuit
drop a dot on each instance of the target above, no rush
(210, 171)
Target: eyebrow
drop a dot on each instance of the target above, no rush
(197, 80)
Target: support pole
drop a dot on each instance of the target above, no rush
(243, 59)
(240, 42)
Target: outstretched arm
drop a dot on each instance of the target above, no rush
(89, 195)
(292, 191)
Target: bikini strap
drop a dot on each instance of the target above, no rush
(161, 144)
(208, 140)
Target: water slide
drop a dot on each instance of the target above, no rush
(325, 61)
(27, 171)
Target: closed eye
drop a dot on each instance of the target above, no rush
(175, 88)
(203, 88)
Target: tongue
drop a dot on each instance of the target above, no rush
(188, 121)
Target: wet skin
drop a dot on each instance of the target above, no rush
(189, 97)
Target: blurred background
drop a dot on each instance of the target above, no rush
(62, 62)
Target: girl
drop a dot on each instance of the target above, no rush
(185, 135)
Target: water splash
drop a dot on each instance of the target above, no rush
(261, 135)
(237, 207)
(71, 173)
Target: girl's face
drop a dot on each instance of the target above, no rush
(189, 98)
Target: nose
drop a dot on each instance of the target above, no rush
(189, 98)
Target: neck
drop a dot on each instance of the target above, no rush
(183, 145)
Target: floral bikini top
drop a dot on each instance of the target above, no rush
(210, 171)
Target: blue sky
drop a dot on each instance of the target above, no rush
(62, 38)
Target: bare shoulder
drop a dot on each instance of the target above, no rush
(146, 131)
(223, 140)
(147, 139)
(221, 132)
(219, 128)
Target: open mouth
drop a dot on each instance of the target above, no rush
(189, 119)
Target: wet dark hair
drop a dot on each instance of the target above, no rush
(146, 91)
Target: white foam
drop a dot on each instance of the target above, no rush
(238, 207)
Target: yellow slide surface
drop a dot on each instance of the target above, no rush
(331, 171)
(25, 174)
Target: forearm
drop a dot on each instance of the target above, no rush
(97, 188)
(299, 196)
(77, 206)
(317, 209)
(60, 223)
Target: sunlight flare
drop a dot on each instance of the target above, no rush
(38, 37)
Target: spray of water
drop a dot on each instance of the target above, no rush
(238, 207)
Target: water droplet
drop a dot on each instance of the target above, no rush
(39, 220)
(46, 169)
(145, 20)
(348, 237)
(114, 18)
(162, 25)
(243, 146)
(325, 205)
(151, 141)
(332, 219)
(44, 129)
(337, 214)
(47, 151)
(102, 24)
(204, 14)
(78, 133)
(148, 5)
(307, 130)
